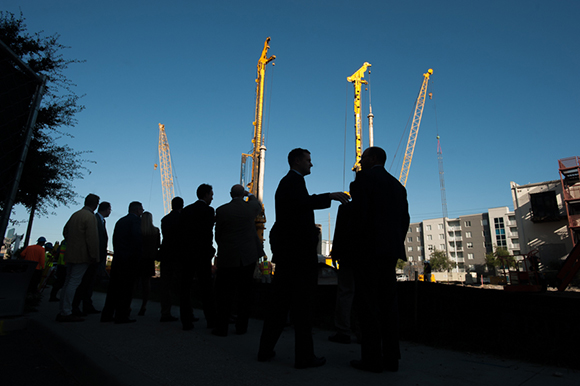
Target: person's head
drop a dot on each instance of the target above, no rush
(205, 193)
(104, 209)
(177, 203)
(373, 156)
(300, 160)
(41, 240)
(237, 191)
(136, 208)
(265, 258)
(48, 247)
(147, 226)
(92, 201)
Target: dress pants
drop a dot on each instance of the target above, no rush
(84, 291)
(344, 299)
(119, 293)
(201, 270)
(293, 289)
(375, 301)
(229, 282)
(169, 271)
(74, 276)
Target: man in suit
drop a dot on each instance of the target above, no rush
(84, 291)
(127, 247)
(196, 226)
(381, 211)
(293, 240)
(169, 267)
(239, 248)
(82, 239)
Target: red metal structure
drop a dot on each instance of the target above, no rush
(570, 179)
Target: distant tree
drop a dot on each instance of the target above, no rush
(50, 167)
(440, 262)
(500, 259)
(401, 264)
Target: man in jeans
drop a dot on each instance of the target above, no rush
(82, 239)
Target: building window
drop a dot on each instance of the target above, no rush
(430, 248)
(418, 239)
(544, 206)
(441, 236)
(410, 230)
(467, 223)
(468, 235)
(484, 222)
(471, 266)
(500, 238)
(419, 248)
(439, 226)
(410, 239)
(514, 231)
(469, 245)
(470, 256)
(420, 257)
(429, 237)
(410, 249)
(442, 247)
(418, 229)
(410, 258)
(428, 227)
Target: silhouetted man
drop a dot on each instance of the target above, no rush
(196, 226)
(170, 267)
(127, 250)
(381, 213)
(239, 249)
(82, 249)
(293, 240)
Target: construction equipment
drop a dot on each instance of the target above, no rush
(166, 172)
(569, 269)
(357, 80)
(526, 275)
(258, 154)
(419, 104)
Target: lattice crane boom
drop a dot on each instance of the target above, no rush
(166, 171)
(414, 129)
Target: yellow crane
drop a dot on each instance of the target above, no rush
(166, 172)
(414, 129)
(258, 154)
(357, 80)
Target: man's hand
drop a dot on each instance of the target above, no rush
(340, 196)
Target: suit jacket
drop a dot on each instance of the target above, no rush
(382, 213)
(294, 236)
(196, 232)
(82, 237)
(103, 238)
(235, 233)
(170, 231)
(127, 242)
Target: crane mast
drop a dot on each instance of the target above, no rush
(414, 129)
(258, 155)
(166, 172)
(357, 80)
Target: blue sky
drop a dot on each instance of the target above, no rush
(505, 94)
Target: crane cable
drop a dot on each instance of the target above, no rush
(345, 123)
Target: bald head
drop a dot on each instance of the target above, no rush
(237, 191)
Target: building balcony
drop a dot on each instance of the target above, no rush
(574, 221)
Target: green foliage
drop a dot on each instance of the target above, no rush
(401, 264)
(500, 259)
(440, 262)
(50, 167)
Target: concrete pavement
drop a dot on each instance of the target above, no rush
(152, 353)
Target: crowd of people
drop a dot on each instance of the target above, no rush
(371, 226)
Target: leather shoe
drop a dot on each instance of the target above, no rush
(91, 311)
(168, 318)
(124, 321)
(313, 362)
(266, 357)
(364, 366)
(339, 338)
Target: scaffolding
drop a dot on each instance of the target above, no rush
(570, 179)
